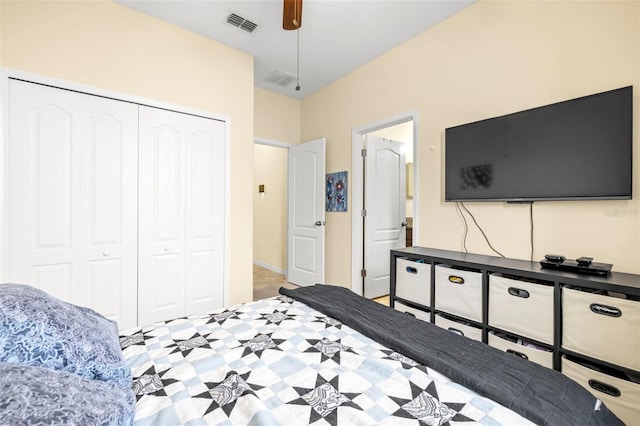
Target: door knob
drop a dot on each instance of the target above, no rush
(106, 253)
(320, 223)
(404, 223)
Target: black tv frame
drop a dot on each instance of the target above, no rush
(625, 94)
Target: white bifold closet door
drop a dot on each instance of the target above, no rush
(72, 192)
(181, 214)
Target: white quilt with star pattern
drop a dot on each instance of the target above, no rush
(279, 362)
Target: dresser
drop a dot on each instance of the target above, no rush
(585, 326)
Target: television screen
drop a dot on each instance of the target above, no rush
(572, 150)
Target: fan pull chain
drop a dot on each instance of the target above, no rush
(298, 63)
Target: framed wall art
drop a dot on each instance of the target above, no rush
(336, 197)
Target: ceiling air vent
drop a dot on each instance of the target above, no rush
(242, 23)
(280, 78)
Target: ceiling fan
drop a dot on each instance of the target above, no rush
(292, 15)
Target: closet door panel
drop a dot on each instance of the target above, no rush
(105, 278)
(70, 156)
(109, 209)
(43, 194)
(205, 214)
(51, 153)
(52, 277)
(161, 215)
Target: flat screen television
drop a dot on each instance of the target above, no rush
(578, 149)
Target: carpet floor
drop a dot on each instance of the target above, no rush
(266, 283)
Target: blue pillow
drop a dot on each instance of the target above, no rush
(35, 395)
(39, 330)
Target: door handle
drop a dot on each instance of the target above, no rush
(320, 223)
(404, 224)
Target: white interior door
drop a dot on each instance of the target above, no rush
(306, 218)
(385, 219)
(205, 198)
(161, 246)
(73, 197)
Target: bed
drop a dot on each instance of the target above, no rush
(315, 355)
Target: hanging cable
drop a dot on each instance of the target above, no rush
(481, 231)
(531, 227)
(466, 227)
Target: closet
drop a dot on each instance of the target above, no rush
(114, 205)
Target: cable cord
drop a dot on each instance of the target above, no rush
(480, 229)
(531, 227)
(466, 227)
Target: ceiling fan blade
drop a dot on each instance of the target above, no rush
(292, 14)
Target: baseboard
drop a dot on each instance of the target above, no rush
(269, 267)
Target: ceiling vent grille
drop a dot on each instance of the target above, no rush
(242, 23)
(280, 78)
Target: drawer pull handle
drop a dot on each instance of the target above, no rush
(410, 313)
(604, 388)
(455, 331)
(518, 292)
(609, 311)
(412, 270)
(520, 354)
(456, 279)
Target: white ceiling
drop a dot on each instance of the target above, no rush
(337, 36)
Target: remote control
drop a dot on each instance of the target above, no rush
(557, 258)
(584, 261)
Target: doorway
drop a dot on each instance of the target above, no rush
(402, 127)
(288, 215)
(269, 217)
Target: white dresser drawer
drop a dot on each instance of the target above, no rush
(457, 327)
(413, 281)
(421, 315)
(521, 307)
(603, 327)
(621, 396)
(459, 292)
(542, 357)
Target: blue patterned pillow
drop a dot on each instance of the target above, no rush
(39, 330)
(35, 395)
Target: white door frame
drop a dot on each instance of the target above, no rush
(357, 138)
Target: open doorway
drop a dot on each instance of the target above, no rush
(288, 215)
(269, 218)
(401, 128)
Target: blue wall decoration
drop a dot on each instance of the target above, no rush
(336, 198)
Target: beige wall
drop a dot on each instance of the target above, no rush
(277, 118)
(270, 208)
(109, 46)
(492, 58)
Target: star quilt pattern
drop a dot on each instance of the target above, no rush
(279, 362)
